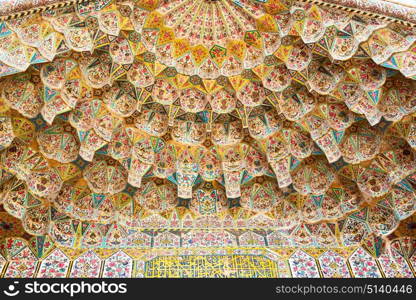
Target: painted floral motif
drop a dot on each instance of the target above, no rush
(55, 265)
(21, 269)
(272, 262)
(333, 265)
(86, 266)
(119, 265)
(363, 265)
(303, 265)
(269, 123)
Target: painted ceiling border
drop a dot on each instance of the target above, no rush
(30, 7)
(382, 9)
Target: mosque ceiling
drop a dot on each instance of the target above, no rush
(258, 123)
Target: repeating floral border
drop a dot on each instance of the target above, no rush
(273, 263)
(15, 8)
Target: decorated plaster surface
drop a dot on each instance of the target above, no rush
(20, 258)
(142, 125)
(400, 9)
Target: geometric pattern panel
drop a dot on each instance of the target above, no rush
(211, 266)
(21, 269)
(207, 139)
(395, 267)
(119, 265)
(210, 263)
(333, 265)
(86, 266)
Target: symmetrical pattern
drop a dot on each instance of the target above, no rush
(86, 266)
(212, 262)
(303, 265)
(363, 265)
(55, 265)
(333, 265)
(118, 266)
(207, 124)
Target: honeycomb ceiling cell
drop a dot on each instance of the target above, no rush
(292, 118)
